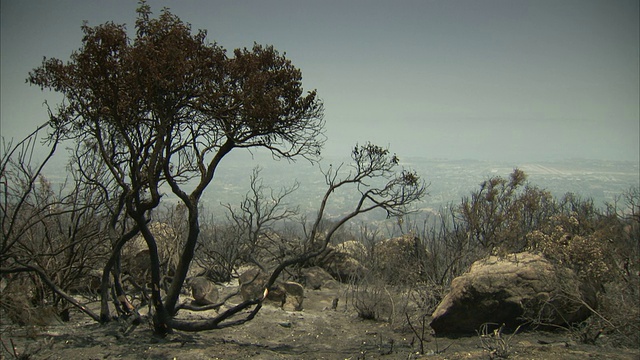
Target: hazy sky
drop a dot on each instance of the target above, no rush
(509, 80)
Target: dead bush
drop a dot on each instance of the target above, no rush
(587, 255)
(19, 310)
(16, 306)
(617, 319)
(372, 299)
(494, 342)
(400, 260)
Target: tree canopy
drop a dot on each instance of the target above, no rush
(166, 105)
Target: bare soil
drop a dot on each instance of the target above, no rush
(317, 332)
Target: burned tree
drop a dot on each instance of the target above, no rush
(161, 110)
(52, 236)
(373, 174)
(165, 107)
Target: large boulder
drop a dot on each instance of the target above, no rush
(344, 268)
(342, 262)
(511, 291)
(400, 259)
(135, 254)
(203, 290)
(138, 265)
(252, 283)
(294, 296)
(288, 295)
(352, 248)
(316, 278)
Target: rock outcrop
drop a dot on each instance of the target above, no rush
(511, 291)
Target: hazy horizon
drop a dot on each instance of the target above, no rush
(488, 80)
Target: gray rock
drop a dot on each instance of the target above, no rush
(401, 259)
(288, 295)
(316, 277)
(294, 297)
(204, 291)
(340, 264)
(252, 284)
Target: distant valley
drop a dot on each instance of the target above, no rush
(449, 180)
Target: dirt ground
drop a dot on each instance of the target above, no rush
(317, 332)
